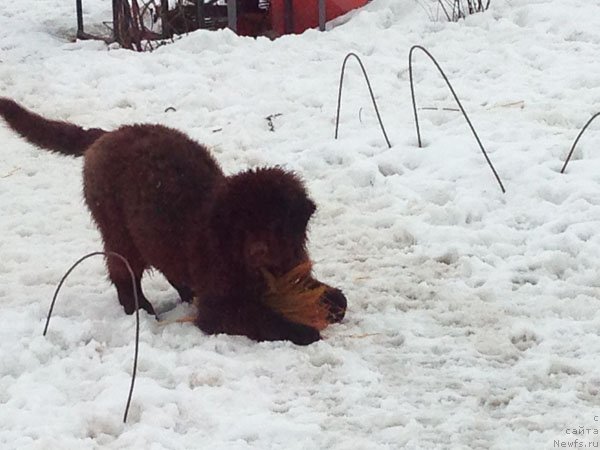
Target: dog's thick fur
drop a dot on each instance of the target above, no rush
(161, 200)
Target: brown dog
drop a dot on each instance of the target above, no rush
(160, 200)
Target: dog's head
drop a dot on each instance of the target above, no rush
(260, 217)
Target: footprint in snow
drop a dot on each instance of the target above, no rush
(524, 340)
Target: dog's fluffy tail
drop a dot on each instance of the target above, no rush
(54, 135)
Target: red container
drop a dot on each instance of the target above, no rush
(306, 13)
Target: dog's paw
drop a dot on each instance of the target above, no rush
(300, 334)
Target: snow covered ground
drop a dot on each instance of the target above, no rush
(473, 315)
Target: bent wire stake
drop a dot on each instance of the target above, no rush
(339, 103)
(137, 314)
(412, 92)
(588, 123)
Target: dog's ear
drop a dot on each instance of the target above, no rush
(311, 208)
(301, 213)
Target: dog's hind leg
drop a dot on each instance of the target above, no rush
(121, 277)
(117, 239)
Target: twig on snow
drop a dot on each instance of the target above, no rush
(11, 173)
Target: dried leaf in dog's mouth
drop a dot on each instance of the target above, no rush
(297, 297)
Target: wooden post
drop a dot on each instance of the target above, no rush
(116, 5)
(232, 15)
(322, 14)
(79, 18)
(164, 9)
(200, 14)
(288, 16)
